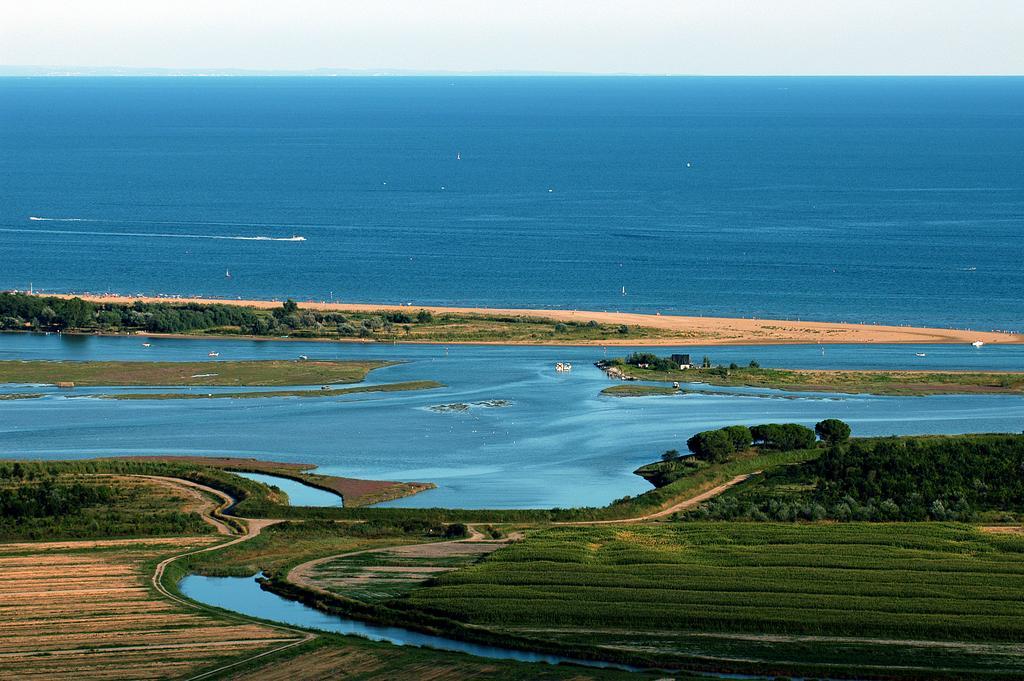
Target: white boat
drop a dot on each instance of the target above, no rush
(458, 156)
(303, 357)
(920, 354)
(213, 354)
(146, 345)
(227, 274)
(978, 344)
(563, 366)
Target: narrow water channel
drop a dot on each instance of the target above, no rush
(244, 595)
(299, 494)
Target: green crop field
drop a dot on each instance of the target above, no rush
(816, 591)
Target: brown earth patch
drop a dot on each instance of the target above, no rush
(354, 491)
(70, 611)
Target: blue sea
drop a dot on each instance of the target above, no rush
(893, 200)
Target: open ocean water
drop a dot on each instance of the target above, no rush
(890, 200)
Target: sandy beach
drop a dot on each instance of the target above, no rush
(702, 330)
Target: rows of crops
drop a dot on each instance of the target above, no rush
(922, 581)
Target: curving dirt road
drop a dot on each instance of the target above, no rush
(675, 508)
(253, 529)
(301, 574)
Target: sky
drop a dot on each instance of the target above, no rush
(707, 37)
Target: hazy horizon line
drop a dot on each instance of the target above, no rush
(37, 71)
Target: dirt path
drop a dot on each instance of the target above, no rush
(301, 575)
(1002, 529)
(253, 528)
(675, 508)
(200, 496)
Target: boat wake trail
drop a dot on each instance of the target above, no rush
(149, 235)
(37, 219)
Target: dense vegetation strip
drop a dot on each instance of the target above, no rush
(647, 366)
(36, 504)
(968, 477)
(22, 312)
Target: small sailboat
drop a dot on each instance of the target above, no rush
(623, 290)
(227, 274)
(458, 155)
(213, 354)
(978, 344)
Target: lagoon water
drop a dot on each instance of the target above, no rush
(556, 443)
(895, 200)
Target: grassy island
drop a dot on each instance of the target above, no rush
(256, 394)
(649, 367)
(214, 373)
(627, 390)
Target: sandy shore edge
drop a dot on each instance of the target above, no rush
(697, 330)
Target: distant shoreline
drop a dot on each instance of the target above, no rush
(699, 330)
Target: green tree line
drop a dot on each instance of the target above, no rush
(888, 479)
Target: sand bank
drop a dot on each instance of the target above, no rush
(699, 330)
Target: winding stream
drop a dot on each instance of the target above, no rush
(245, 596)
